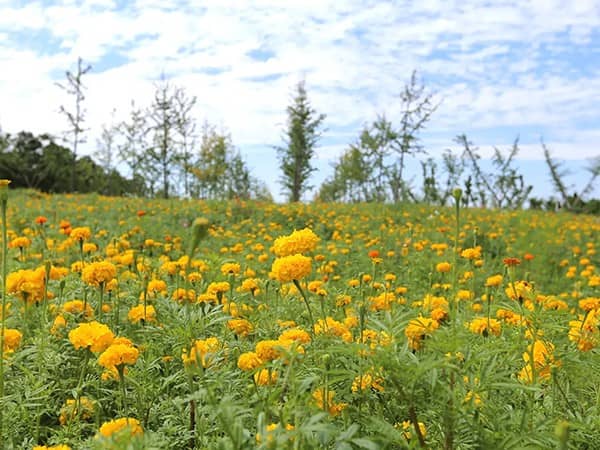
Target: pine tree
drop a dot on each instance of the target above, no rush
(301, 137)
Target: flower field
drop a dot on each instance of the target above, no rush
(174, 324)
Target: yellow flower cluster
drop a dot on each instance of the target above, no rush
(542, 362)
(231, 269)
(29, 285)
(80, 234)
(137, 314)
(203, 350)
(334, 328)
(485, 326)
(241, 327)
(585, 332)
(326, 403)
(368, 380)
(12, 339)
(20, 242)
(76, 410)
(128, 424)
(118, 354)
(289, 268)
(418, 329)
(93, 335)
(98, 273)
(302, 241)
(52, 447)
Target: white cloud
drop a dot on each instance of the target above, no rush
(507, 64)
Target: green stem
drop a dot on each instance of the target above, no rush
(310, 314)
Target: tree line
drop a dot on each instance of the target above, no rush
(166, 153)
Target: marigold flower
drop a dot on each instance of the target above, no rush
(485, 326)
(118, 354)
(289, 268)
(98, 273)
(418, 329)
(20, 242)
(131, 425)
(139, 313)
(12, 339)
(77, 307)
(249, 361)
(443, 267)
(204, 350)
(93, 335)
(76, 410)
(231, 269)
(330, 406)
(298, 242)
(511, 262)
(79, 234)
(265, 377)
(407, 426)
(241, 327)
(494, 281)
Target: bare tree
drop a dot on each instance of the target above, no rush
(75, 117)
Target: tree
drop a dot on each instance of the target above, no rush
(186, 129)
(75, 117)
(162, 156)
(133, 133)
(300, 137)
(417, 106)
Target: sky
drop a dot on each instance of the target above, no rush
(498, 69)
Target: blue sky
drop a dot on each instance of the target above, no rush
(499, 69)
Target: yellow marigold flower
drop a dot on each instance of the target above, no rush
(485, 327)
(118, 354)
(298, 242)
(295, 334)
(265, 377)
(58, 325)
(464, 294)
(128, 424)
(418, 329)
(333, 327)
(80, 234)
(443, 267)
(89, 247)
(509, 316)
(98, 273)
(231, 269)
(249, 361)
(519, 290)
(28, 285)
(407, 426)
(20, 242)
(180, 295)
(382, 302)
(203, 350)
(494, 281)
(471, 253)
(354, 283)
(218, 288)
(367, 381)
(241, 327)
(12, 339)
(93, 335)
(584, 332)
(330, 406)
(589, 303)
(289, 268)
(543, 361)
(266, 350)
(76, 307)
(156, 287)
(136, 313)
(74, 410)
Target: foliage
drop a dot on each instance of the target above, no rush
(427, 322)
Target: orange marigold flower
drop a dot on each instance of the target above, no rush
(443, 267)
(41, 220)
(511, 262)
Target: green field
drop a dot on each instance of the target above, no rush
(129, 324)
